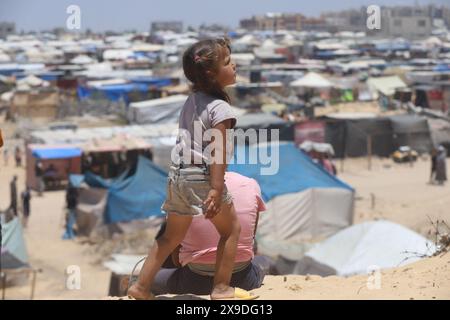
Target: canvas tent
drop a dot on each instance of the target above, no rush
(13, 250)
(411, 130)
(304, 202)
(312, 80)
(385, 85)
(359, 248)
(65, 158)
(349, 136)
(138, 196)
(267, 121)
(161, 110)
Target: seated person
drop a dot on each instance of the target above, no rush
(196, 256)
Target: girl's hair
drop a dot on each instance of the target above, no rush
(206, 55)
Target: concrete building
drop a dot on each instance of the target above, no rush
(175, 26)
(406, 22)
(7, 28)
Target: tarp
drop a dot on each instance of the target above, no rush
(135, 197)
(296, 171)
(162, 110)
(304, 202)
(385, 85)
(113, 92)
(413, 131)
(312, 80)
(56, 153)
(360, 248)
(349, 137)
(267, 121)
(13, 250)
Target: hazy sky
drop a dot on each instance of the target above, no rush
(100, 15)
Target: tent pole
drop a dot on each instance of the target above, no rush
(369, 151)
(33, 284)
(3, 285)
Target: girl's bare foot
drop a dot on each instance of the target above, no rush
(222, 292)
(138, 292)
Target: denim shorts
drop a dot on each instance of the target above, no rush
(188, 188)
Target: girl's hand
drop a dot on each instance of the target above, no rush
(212, 204)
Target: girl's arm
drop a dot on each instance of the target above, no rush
(217, 168)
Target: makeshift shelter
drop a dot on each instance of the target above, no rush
(312, 80)
(160, 110)
(411, 130)
(349, 136)
(110, 157)
(138, 196)
(304, 202)
(440, 132)
(40, 102)
(265, 121)
(359, 249)
(13, 249)
(13, 254)
(66, 159)
(385, 85)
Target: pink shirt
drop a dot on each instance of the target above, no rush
(200, 243)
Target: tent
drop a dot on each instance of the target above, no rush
(413, 131)
(385, 85)
(304, 202)
(312, 80)
(161, 110)
(267, 121)
(360, 248)
(349, 135)
(13, 250)
(65, 158)
(132, 197)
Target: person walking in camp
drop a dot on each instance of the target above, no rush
(441, 165)
(5, 156)
(39, 173)
(433, 165)
(196, 177)
(18, 156)
(13, 195)
(71, 205)
(26, 197)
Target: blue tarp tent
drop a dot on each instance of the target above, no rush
(57, 153)
(133, 197)
(304, 202)
(296, 173)
(13, 250)
(113, 92)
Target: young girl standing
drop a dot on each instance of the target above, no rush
(196, 178)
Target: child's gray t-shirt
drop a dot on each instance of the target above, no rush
(200, 113)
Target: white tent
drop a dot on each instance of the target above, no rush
(82, 59)
(312, 80)
(361, 248)
(385, 85)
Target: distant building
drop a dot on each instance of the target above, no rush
(406, 22)
(348, 20)
(284, 21)
(7, 28)
(175, 26)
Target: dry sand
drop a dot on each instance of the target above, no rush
(401, 195)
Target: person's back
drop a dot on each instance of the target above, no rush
(200, 243)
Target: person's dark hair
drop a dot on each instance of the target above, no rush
(204, 56)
